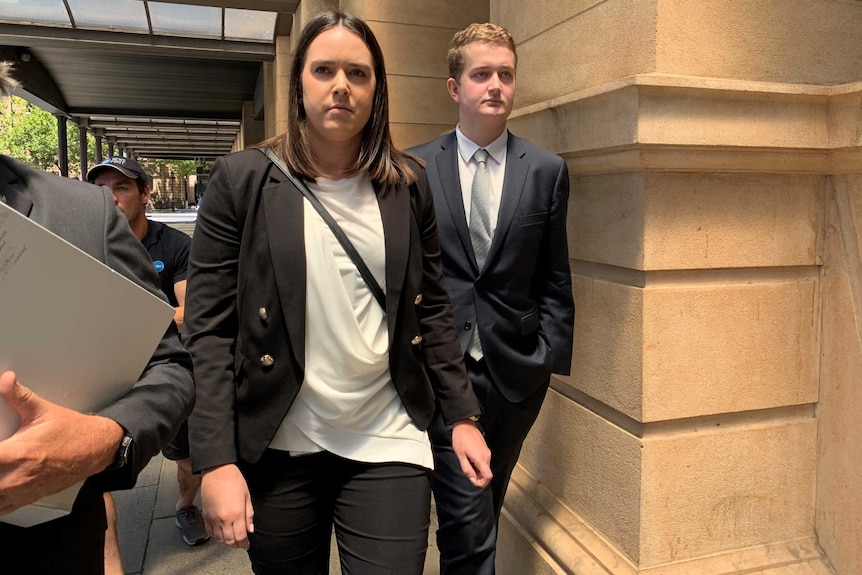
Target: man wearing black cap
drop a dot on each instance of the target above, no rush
(169, 250)
(55, 447)
(168, 247)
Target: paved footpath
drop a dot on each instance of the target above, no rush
(150, 542)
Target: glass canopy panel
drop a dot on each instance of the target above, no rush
(249, 25)
(35, 11)
(185, 20)
(121, 15)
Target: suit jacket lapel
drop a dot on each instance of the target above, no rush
(15, 193)
(447, 173)
(395, 212)
(517, 167)
(283, 210)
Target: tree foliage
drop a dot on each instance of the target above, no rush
(29, 133)
(179, 168)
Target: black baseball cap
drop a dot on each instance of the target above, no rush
(126, 166)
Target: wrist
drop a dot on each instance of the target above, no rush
(215, 468)
(119, 444)
(471, 419)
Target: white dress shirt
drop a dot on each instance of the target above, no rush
(496, 168)
(347, 404)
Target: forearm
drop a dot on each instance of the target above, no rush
(211, 322)
(54, 447)
(179, 313)
(212, 436)
(105, 439)
(154, 408)
(180, 294)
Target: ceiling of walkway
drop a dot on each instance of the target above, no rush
(164, 78)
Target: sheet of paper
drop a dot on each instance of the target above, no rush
(48, 508)
(73, 330)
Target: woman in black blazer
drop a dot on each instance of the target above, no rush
(313, 397)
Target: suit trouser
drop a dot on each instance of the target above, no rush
(467, 516)
(381, 514)
(71, 545)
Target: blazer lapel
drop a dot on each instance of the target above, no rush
(450, 182)
(285, 229)
(14, 193)
(517, 167)
(395, 211)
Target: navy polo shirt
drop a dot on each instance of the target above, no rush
(169, 249)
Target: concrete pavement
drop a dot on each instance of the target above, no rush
(150, 543)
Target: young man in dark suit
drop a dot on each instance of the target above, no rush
(501, 214)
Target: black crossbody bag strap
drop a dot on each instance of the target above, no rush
(342, 238)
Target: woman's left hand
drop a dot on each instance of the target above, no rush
(472, 452)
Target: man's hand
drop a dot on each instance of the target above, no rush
(226, 504)
(54, 448)
(472, 452)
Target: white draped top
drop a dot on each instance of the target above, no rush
(347, 404)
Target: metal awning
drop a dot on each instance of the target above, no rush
(166, 79)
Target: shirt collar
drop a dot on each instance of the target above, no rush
(496, 149)
(154, 232)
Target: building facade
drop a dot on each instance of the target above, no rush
(715, 148)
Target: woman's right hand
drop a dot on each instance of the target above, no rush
(226, 504)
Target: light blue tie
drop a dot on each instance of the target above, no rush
(480, 230)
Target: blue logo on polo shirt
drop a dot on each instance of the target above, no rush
(160, 265)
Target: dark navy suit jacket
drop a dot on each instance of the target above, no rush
(522, 298)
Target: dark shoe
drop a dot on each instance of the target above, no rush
(191, 522)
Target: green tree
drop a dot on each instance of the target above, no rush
(180, 168)
(29, 134)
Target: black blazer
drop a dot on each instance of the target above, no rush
(245, 319)
(522, 298)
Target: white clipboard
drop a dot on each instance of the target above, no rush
(74, 331)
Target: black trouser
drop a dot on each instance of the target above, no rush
(468, 516)
(71, 545)
(381, 514)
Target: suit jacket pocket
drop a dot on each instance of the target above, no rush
(530, 322)
(533, 219)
